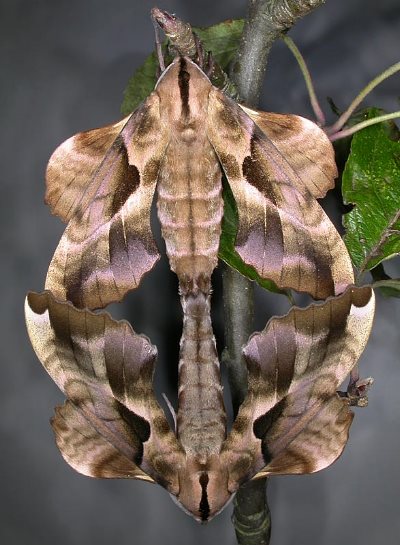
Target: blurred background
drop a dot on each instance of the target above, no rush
(64, 66)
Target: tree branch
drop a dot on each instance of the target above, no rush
(266, 20)
(251, 516)
(238, 319)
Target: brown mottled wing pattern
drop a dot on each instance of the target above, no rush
(292, 420)
(108, 245)
(71, 172)
(305, 147)
(283, 232)
(87, 451)
(105, 370)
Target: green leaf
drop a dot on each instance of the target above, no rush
(371, 181)
(221, 39)
(140, 85)
(227, 250)
(388, 288)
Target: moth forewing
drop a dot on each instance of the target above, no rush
(293, 421)
(304, 146)
(87, 451)
(105, 370)
(283, 232)
(108, 245)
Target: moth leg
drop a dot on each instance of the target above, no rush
(293, 421)
(171, 409)
(357, 389)
(354, 376)
(209, 65)
(199, 51)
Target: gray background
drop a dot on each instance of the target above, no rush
(64, 65)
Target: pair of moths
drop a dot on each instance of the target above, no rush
(292, 420)
(179, 142)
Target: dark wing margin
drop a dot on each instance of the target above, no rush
(283, 231)
(292, 420)
(105, 370)
(108, 245)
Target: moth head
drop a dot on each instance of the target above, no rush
(203, 490)
(183, 90)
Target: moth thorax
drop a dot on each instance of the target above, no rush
(189, 130)
(183, 90)
(200, 283)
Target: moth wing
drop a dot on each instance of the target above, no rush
(283, 232)
(305, 147)
(320, 442)
(87, 451)
(71, 171)
(292, 420)
(105, 370)
(108, 245)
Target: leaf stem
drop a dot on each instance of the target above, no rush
(367, 123)
(335, 128)
(319, 114)
(266, 21)
(238, 294)
(390, 283)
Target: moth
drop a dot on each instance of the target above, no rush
(178, 142)
(292, 420)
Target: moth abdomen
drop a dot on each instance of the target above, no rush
(190, 209)
(201, 418)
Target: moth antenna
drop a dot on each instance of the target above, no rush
(159, 51)
(171, 409)
(354, 376)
